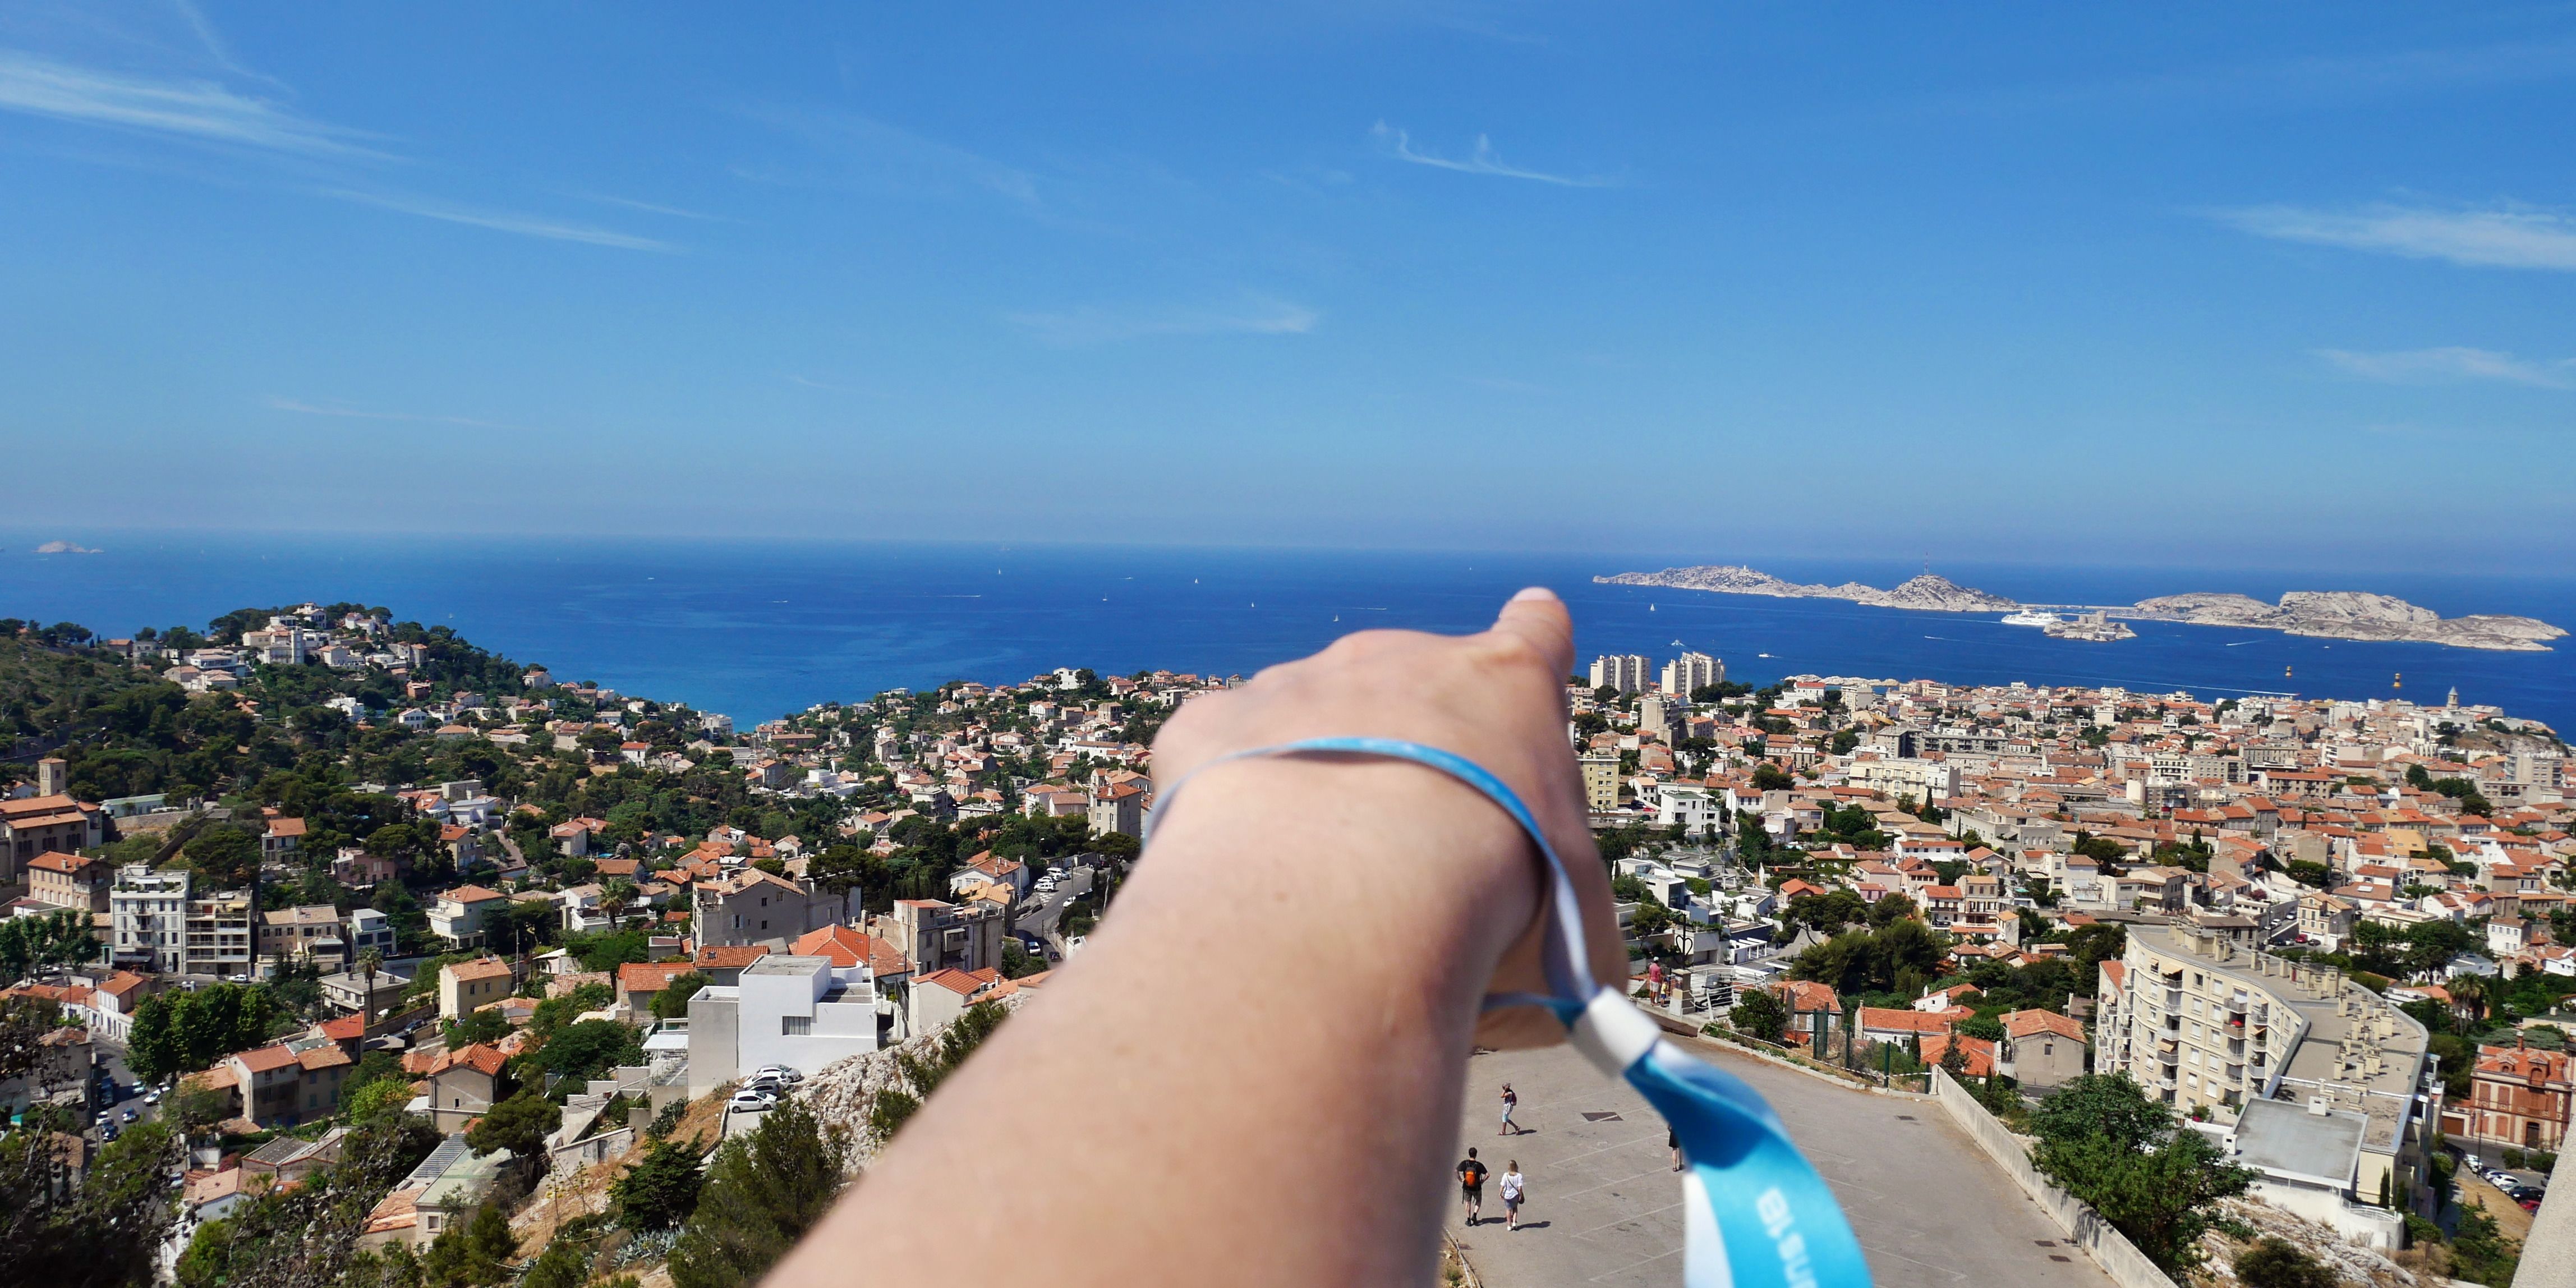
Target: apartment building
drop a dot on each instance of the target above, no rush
(933, 935)
(1690, 672)
(802, 1012)
(755, 907)
(49, 821)
(1624, 672)
(2329, 1091)
(156, 923)
(2518, 1096)
(311, 932)
(59, 880)
(1601, 782)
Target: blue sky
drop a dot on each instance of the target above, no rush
(2276, 285)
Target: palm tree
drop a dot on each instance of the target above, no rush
(616, 897)
(368, 962)
(2469, 994)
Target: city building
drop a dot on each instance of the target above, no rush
(1119, 809)
(755, 907)
(458, 915)
(59, 880)
(2518, 1096)
(49, 821)
(309, 933)
(1601, 781)
(1692, 672)
(2215, 1028)
(933, 935)
(802, 1012)
(1624, 672)
(466, 987)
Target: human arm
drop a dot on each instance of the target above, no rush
(1254, 1070)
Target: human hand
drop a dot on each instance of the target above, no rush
(1496, 698)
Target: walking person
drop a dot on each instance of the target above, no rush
(1471, 1187)
(1673, 1141)
(1511, 1101)
(1514, 1185)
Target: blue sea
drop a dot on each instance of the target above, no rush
(757, 629)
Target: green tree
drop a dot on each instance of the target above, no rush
(561, 1265)
(519, 1124)
(1760, 1015)
(660, 1191)
(2120, 1152)
(225, 857)
(673, 1001)
(589, 1049)
(916, 1076)
(99, 1232)
(761, 1195)
(179, 1032)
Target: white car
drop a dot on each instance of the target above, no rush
(751, 1102)
(780, 1072)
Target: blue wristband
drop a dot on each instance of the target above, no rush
(1757, 1214)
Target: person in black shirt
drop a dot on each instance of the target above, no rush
(1471, 1186)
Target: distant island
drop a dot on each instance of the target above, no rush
(2326, 614)
(63, 548)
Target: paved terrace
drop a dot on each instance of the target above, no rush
(1604, 1205)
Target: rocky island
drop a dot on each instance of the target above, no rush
(2326, 614)
(1929, 592)
(2353, 615)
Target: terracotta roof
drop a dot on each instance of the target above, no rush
(650, 977)
(345, 1028)
(479, 968)
(2022, 1024)
(286, 827)
(1904, 1019)
(67, 864)
(963, 983)
(326, 1056)
(730, 956)
(471, 894)
(267, 1059)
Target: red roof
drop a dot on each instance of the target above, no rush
(650, 977)
(961, 982)
(347, 1028)
(730, 956)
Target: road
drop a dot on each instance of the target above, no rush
(1040, 913)
(1604, 1205)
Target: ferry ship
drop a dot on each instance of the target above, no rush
(2028, 618)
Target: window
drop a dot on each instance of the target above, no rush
(795, 1026)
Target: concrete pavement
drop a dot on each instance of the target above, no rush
(1604, 1205)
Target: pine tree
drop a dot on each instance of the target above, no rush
(763, 1193)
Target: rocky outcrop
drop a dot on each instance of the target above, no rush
(843, 1091)
(2326, 614)
(1928, 593)
(2354, 615)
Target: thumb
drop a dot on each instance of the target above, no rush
(1539, 618)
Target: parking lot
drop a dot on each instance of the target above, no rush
(1604, 1205)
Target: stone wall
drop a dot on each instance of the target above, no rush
(2084, 1228)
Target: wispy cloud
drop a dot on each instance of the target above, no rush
(2453, 363)
(1090, 325)
(194, 109)
(304, 408)
(500, 220)
(2495, 237)
(651, 208)
(890, 156)
(1399, 145)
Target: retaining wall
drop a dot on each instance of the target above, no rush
(2084, 1227)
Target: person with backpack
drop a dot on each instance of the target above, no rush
(1514, 1186)
(1471, 1187)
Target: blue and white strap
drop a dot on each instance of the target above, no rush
(1756, 1213)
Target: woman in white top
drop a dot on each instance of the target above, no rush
(1513, 1184)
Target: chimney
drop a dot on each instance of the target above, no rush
(52, 777)
(2317, 1107)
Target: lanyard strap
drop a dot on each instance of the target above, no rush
(1756, 1214)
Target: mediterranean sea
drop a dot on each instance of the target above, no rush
(756, 629)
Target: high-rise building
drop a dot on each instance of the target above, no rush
(1601, 781)
(1691, 672)
(1625, 672)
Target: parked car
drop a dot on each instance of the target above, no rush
(2474, 1163)
(751, 1100)
(152, 1097)
(778, 1071)
(128, 1116)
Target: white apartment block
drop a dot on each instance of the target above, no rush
(1692, 671)
(2325, 1088)
(802, 1012)
(156, 924)
(1624, 672)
